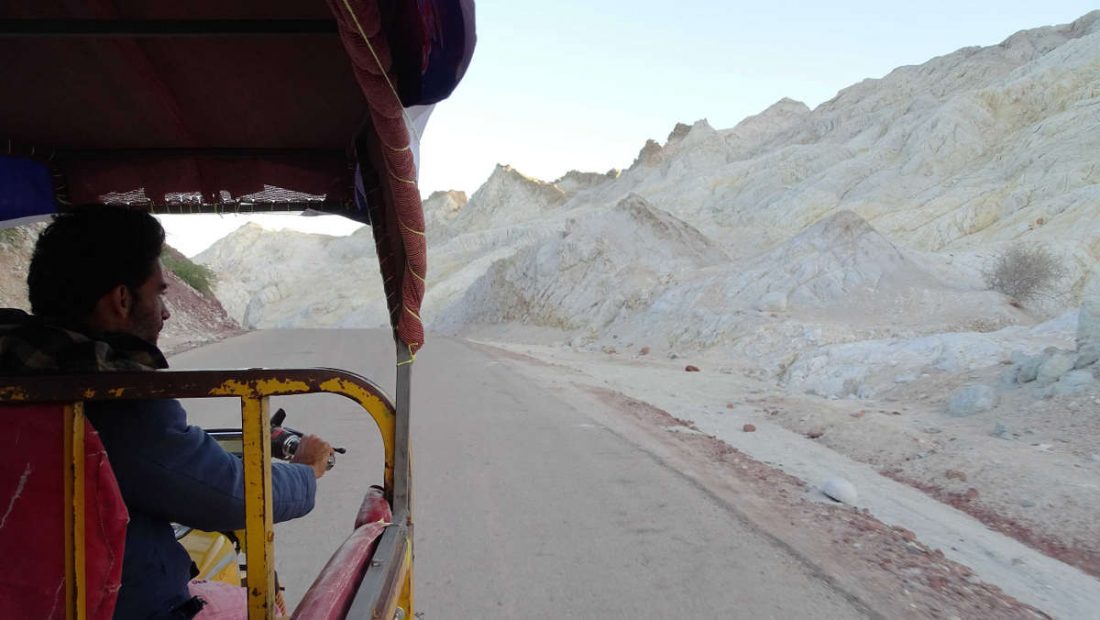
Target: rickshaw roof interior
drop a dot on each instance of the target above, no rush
(193, 106)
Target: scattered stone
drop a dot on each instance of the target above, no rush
(972, 399)
(690, 368)
(643, 351)
(1027, 368)
(748, 428)
(954, 474)
(1088, 323)
(1000, 430)
(1027, 503)
(814, 434)
(1055, 366)
(840, 490)
(609, 350)
(775, 301)
(729, 405)
(906, 534)
(971, 494)
(1074, 382)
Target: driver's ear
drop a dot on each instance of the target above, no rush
(126, 300)
(112, 310)
(120, 301)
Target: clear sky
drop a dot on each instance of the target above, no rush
(573, 84)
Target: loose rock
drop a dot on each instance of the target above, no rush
(1073, 382)
(691, 368)
(1088, 323)
(954, 474)
(775, 301)
(748, 428)
(972, 399)
(1027, 367)
(1055, 366)
(840, 490)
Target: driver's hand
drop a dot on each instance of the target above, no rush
(315, 452)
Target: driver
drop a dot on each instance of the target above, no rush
(96, 290)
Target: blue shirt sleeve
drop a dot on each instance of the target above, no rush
(176, 472)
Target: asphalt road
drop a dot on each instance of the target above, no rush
(524, 506)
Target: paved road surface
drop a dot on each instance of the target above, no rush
(524, 506)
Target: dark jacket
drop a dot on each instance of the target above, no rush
(167, 470)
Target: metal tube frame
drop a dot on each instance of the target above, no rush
(386, 585)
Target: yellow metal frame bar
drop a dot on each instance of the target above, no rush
(404, 576)
(253, 387)
(256, 431)
(405, 599)
(382, 413)
(259, 531)
(75, 565)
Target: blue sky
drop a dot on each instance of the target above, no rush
(563, 85)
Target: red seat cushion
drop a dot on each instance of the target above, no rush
(32, 505)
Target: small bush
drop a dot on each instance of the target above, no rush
(10, 235)
(199, 277)
(1025, 273)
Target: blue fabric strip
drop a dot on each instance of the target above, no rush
(26, 189)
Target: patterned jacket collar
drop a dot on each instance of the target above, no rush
(30, 344)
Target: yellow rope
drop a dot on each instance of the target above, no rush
(399, 179)
(410, 229)
(386, 144)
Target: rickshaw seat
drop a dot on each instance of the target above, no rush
(33, 465)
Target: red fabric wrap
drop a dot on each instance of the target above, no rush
(332, 592)
(396, 210)
(32, 466)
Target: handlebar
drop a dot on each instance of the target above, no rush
(285, 440)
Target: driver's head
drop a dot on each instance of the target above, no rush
(98, 268)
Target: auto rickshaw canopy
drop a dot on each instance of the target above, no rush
(212, 106)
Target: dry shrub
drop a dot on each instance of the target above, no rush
(1025, 273)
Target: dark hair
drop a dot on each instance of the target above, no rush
(86, 252)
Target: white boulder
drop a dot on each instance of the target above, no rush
(972, 399)
(839, 489)
(1088, 323)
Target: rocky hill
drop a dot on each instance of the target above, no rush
(197, 318)
(894, 193)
